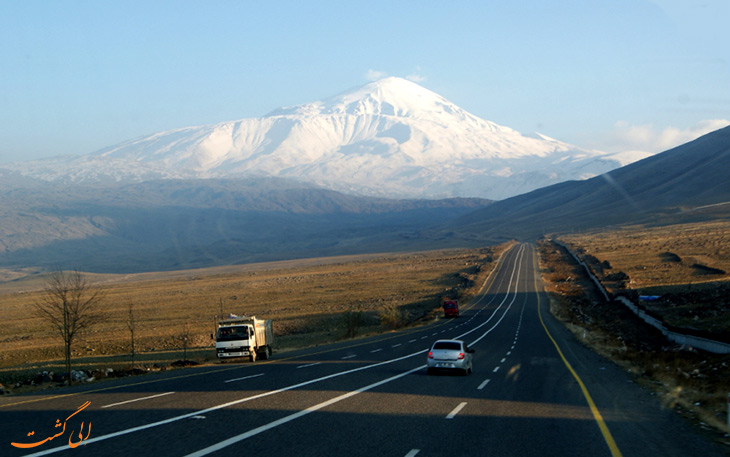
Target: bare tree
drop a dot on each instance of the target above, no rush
(132, 326)
(70, 306)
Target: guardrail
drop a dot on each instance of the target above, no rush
(717, 347)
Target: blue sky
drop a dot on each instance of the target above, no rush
(612, 75)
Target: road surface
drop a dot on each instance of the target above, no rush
(534, 391)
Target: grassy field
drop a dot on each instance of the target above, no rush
(309, 302)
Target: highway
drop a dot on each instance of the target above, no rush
(535, 391)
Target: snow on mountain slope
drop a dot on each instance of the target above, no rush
(389, 138)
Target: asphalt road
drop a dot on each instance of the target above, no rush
(534, 391)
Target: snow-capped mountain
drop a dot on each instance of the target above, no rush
(389, 138)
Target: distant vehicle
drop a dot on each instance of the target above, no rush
(450, 355)
(244, 337)
(451, 308)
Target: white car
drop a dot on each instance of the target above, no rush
(450, 355)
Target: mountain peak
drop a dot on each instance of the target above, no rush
(390, 137)
(391, 96)
(390, 87)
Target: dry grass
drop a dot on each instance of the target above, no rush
(689, 264)
(310, 302)
(662, 256)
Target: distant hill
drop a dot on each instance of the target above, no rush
(179, 224)
(689, 182)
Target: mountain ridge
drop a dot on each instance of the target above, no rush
(684, 184)
(178, 224)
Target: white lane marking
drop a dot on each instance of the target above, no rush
(424, 337)
(396, 345)
(349, 357)
(376, 350)
(456, 410)
(137, 399)
(496, 369)
(413, 452)
(310, 365)
(504, 300)
(245, 377)
(484, 384)
(243, 436)
(412, 341)
(201, 412)
(509, 352)
(502, 360)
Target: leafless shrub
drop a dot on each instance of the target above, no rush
(352, 320)
(131, 323)
(392, 317)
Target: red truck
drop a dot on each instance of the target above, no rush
(451, 308)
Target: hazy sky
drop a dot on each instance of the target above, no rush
(612, 75)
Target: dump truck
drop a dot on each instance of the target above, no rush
(241, 336)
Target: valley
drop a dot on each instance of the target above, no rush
(185, 224)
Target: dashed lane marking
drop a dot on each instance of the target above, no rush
(137, 399)
(245, 377)
(456, 410)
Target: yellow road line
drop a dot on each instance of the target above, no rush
(615, 452)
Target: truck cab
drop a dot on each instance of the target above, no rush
(243, 337)
(233, 341)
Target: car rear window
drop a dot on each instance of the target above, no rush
(447, 345)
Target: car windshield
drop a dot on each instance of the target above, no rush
(449, 345)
